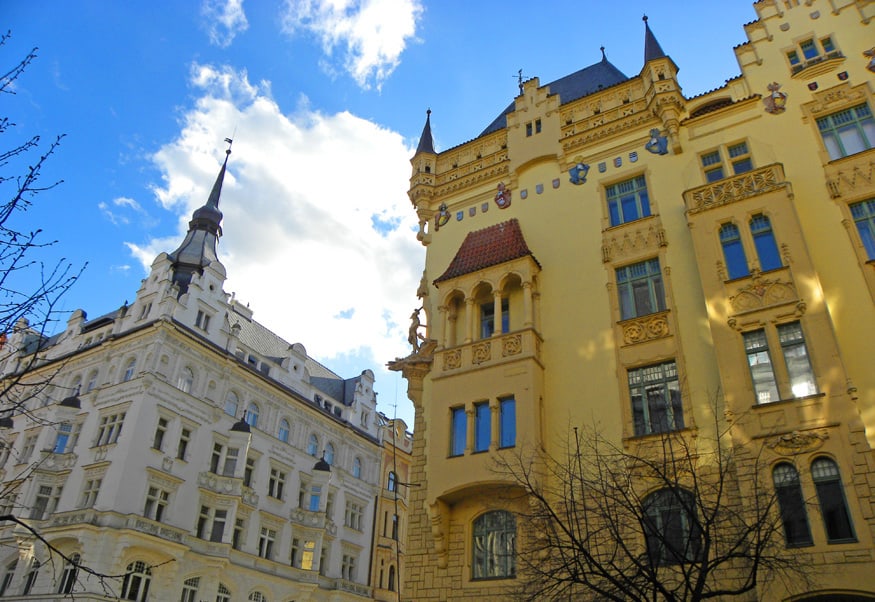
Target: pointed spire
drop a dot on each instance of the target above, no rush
(198, 249)
(652, 49)
(426, 144)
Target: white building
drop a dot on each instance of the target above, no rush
(187, 450)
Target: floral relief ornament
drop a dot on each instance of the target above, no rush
(776, 101)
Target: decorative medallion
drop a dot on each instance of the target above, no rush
(577, 173)
(603, 167)
(539, 188)
(843, 76)
(442, 217)
(502, 197)
(633, 157)
(658, 145)
(618, 161)
(791, 444)
(511, 345)
(556, 183)
(870, 54)
(812, 86)
(776, 101)
(472, 211)
(484, 207)
(524, 193)
(460, 215)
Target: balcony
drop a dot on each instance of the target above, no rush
(494, 351)
(737, 188)
(817, 65)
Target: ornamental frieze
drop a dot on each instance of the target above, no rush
(632, 242)
(762, 292)
(791, 444)
(512, 345)
(738, 188)
(851, 174)
(481, 352)
(647, 328)
(829, 99)
(452, 359)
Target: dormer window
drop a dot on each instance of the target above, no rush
(202, 321)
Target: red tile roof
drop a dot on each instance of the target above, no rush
(487, 247)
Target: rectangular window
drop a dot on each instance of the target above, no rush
(739, 160)
(487, 318)
(639, 287)
(739, 156)
(507, 422)
(459, 431)
(482, 426)
(45, 502)
(307, 555)
(249, 471)
(224, 460)
(347, 569)
(864, 218)
(628, 201)
(809, 49)
(203, 320)
(63, 437)
(110, 428)
(160, 431)
(353, 516)
(211, 524)
(276, 483)
(182, 446)
(796, 356)
(28, 448)
(90, 492)
(265, 543)
(847, 132)
(713, 166)
(656, 399)
(156, 503)
(315, 498)
(760, 362)
(237, 537)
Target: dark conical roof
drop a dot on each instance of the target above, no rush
(426, 144)
(241, 426)
(322, 465)
(72, 401)
(198, 249)
(652, 49)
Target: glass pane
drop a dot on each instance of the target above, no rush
(483, 428)
(852, 140)
(508, 422)
(457, 444)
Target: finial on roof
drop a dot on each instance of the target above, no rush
(652, 49)
(426, 144)
(604, 56)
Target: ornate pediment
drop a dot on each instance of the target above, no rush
(764, 292)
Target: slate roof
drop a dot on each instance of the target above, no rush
(571, 87)
(487, 247)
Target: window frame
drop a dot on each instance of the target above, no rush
(864, 222)
(765, 243)
(482, 427)
(734, 255)
(496, 529)
(628, 194)
(458, 431)
(832, 501)
(791, 505)
(857, 124)
(672, 406)
(629, 287)
(507, 422)
(671, 508)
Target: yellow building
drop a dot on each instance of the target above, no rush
(610, 251)
(392, 509)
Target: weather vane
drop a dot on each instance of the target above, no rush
(519, 78)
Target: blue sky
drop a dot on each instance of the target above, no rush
(325, 100)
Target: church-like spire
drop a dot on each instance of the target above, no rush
(426, 144)
(198, 249)
(652, 49)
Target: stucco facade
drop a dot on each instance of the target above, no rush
(720, 248)
(182, 451)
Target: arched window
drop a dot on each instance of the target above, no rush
(189, 589)
(313, 445)
(252, 414)
(391, 484)
(357, 467)
(792, 505)
(283, 433)
(257, 597)
(833, 506)
(764, 241)
(32, 574)
(92, 381)
(733, 251)
(186, 380)
(68, 577)
(136, 582)
(7, 577)
(670, 527)
(494, 545)
(232, 404)
(329, 453)
(224, 594)
(129, 369)
(392, 578)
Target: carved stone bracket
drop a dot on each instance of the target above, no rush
(439, 513)
(791, 444)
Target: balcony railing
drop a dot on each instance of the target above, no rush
(737, 188)
(495, 350)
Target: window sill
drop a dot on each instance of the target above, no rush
(817, 66)
(838, 542)
(789, 400)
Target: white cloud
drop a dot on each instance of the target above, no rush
(117, 217)
(371, 33)
(318, 230)
(223, 20)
